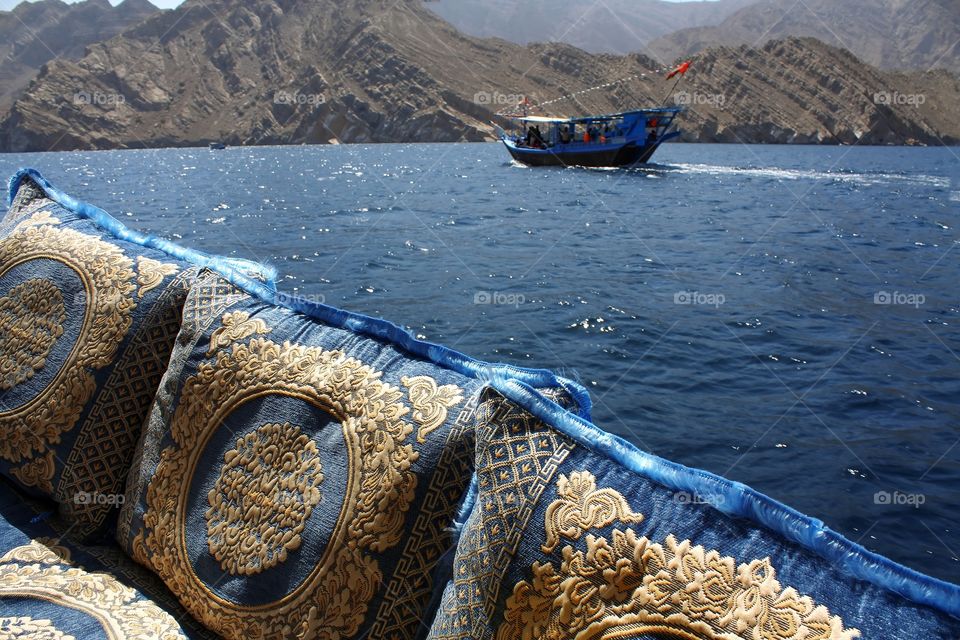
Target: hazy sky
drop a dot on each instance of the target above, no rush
(6, 5)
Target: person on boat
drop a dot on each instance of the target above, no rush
(565, 135)
(528, 141)
(538, 140)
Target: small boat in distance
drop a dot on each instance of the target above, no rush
(217, 146)
(614, 140)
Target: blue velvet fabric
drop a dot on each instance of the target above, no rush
(295, 475)
(89, 311)
(49, 584)
(307, 471)
(574, 532)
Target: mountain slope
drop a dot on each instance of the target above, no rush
(36, 32)
(890, 34)
(615, 26)
(309, 71)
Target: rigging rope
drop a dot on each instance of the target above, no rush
(573, 95)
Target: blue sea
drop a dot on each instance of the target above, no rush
(788, 317)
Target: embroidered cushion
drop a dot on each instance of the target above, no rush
(576, 534)
(89, 311)
(301, 471)
(53, 589)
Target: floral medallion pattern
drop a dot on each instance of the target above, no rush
(332, 601)
(262, 499)
(34, 571)
(108, 279)
(629, 586)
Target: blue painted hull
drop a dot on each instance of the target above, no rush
(577, 155)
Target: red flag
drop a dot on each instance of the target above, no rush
(682, 69)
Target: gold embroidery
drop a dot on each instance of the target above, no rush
(237, 326)
(332, 600)
(633, 586)
(31, 320)
(28, 572)
(99, 457)
(41, 550)
(41, 217)
(582, 506)
(27, 627)
(263, 498)
(405, 601)
(430, 402)
(37, 473)
(517, 458)
(207, 297)
(107, 277)
(151, 273)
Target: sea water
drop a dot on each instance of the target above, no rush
(788, 317)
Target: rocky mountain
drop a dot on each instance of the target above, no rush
(314, 71)
(613, 26)
(890, 34)
(34, 33)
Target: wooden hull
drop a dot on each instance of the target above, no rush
(618, 156)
